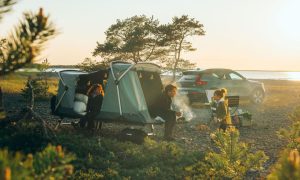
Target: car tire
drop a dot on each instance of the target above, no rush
(257, 96)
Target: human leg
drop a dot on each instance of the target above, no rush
(169, 125)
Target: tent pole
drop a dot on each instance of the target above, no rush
(119, 79)
(119, 100)
(60, 100)
(66, 88)
(117, 84)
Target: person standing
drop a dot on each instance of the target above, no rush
(96, 94)
(164, 110)
(222, 111)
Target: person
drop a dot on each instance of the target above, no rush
(96, 94)
(164, 110)
(222, 112)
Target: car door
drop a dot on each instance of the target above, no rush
(237, 84)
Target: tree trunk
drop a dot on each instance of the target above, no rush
(174, 75)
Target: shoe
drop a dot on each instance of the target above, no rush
(169, 139)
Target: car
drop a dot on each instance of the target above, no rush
(193, 83)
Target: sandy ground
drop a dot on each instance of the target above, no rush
(281, 99)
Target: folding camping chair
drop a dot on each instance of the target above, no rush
(238, 116)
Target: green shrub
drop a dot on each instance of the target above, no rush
(112, 159)
(25, 135)
(40, 90)
(52, 162)
(231, 159)
(288, 166)
(292, 134)
(89, 174)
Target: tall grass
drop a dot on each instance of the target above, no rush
(14, 83)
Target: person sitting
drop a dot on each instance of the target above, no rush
(222, 112)
(163, 109)
(96, 94)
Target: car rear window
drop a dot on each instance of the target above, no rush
(191, 72)
(204, 76)
(188, 77)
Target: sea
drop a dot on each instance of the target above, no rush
(272, 75)
(255, 74)
(249, 74)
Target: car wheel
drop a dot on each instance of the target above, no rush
(258, 96)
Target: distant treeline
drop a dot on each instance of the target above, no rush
(37, 65)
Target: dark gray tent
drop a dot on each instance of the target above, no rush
(130, 92)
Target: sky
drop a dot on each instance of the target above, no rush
(240, 34)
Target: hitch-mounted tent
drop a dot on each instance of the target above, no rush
(131, 91)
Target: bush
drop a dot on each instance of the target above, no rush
(288, 165)
(89, 174)
(25, 135)
(292, 134)
(111, 159)
(52, 162)
(40, 90)
(231, 159)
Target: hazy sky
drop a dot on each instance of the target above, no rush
(240, 34)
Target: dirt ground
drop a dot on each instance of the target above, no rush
(281, 99)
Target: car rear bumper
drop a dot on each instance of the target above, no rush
(194, 96)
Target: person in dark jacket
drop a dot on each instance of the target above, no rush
(164, 110)
(94, 104)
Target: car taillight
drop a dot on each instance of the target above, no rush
(200, 82)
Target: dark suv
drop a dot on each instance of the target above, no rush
(193, 83)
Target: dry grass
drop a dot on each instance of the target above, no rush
(14, 83)
(2, 115)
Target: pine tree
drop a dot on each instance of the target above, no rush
(25, 42)
(230, 159)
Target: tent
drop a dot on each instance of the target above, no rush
(131, 91)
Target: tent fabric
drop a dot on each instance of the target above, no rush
(133, 106)
(149, 67)
(127, 105)
(66, 91)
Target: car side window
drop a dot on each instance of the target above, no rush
(215, 75)
(234, 76)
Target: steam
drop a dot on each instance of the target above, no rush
(180, 104)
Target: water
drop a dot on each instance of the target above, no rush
(273, 75)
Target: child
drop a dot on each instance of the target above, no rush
(164, 110)
(222, 112)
